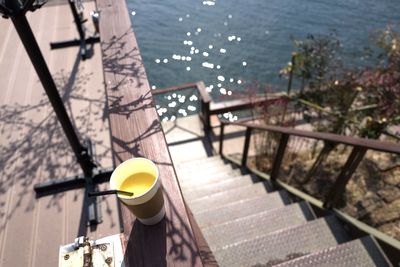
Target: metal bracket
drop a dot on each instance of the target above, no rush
(104, 252)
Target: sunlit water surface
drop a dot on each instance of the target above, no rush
(229, 43)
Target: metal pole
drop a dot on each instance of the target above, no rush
(279, 156)
(32, 48)
(246, 146)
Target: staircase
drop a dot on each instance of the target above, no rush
(247, 223)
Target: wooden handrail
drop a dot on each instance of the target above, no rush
(329, 137)
(360, 147)
(136, 131)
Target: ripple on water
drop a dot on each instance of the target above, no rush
(208, 3)
(207, 65)
(191, 108)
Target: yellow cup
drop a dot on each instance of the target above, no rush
(141, 177)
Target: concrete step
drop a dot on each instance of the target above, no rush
(204, 179)
(284, 245)
(360, 252)
(257, 224)
(214, 216)
(220, 186)
(230, 196)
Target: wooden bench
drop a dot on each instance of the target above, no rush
(136, 132)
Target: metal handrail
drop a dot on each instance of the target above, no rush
(360, 147)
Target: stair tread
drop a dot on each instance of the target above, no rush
(195, 173)
(220, 186)
(200, 160)
(208, 179)
(283, 245)
(209, 164)
(229, 196)
(360, 252)
(238, 209)
(257, 224)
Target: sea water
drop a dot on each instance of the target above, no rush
(229, 44)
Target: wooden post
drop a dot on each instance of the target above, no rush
(289, 88)
(205, 110)
(357, 154)
(205, 106)
(279, 156)
(221, 139)
(246, 146)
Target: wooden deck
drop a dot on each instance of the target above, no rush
(33, 147)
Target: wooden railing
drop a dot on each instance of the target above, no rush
(205, 99)
(360, 147)
(209, 107)
(136, 131)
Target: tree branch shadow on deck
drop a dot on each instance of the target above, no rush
(126, 65)
(34, 147)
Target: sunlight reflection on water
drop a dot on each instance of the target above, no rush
(185, 41)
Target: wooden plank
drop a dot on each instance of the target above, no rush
(136, 132)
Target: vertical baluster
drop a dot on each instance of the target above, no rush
(279, 156)
(357, 154)
(221, 139)
(246, 146)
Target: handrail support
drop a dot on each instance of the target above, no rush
(354, 159)
(221, 139)
(246, 146)
(279, 156)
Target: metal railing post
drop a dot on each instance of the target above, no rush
(289, 88)
(357, 154)
(279, 156)
(246, 146)
(205, 110)
(221, 139)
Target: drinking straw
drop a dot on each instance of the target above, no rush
(109, 192)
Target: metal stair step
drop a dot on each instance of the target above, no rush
(283, 245)
(360, 252)
(223, 198)
(183, 168)
(197, 172)
(200, 180)
(214, 216)
(239, 181)
(199, 160)
(257, 224)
